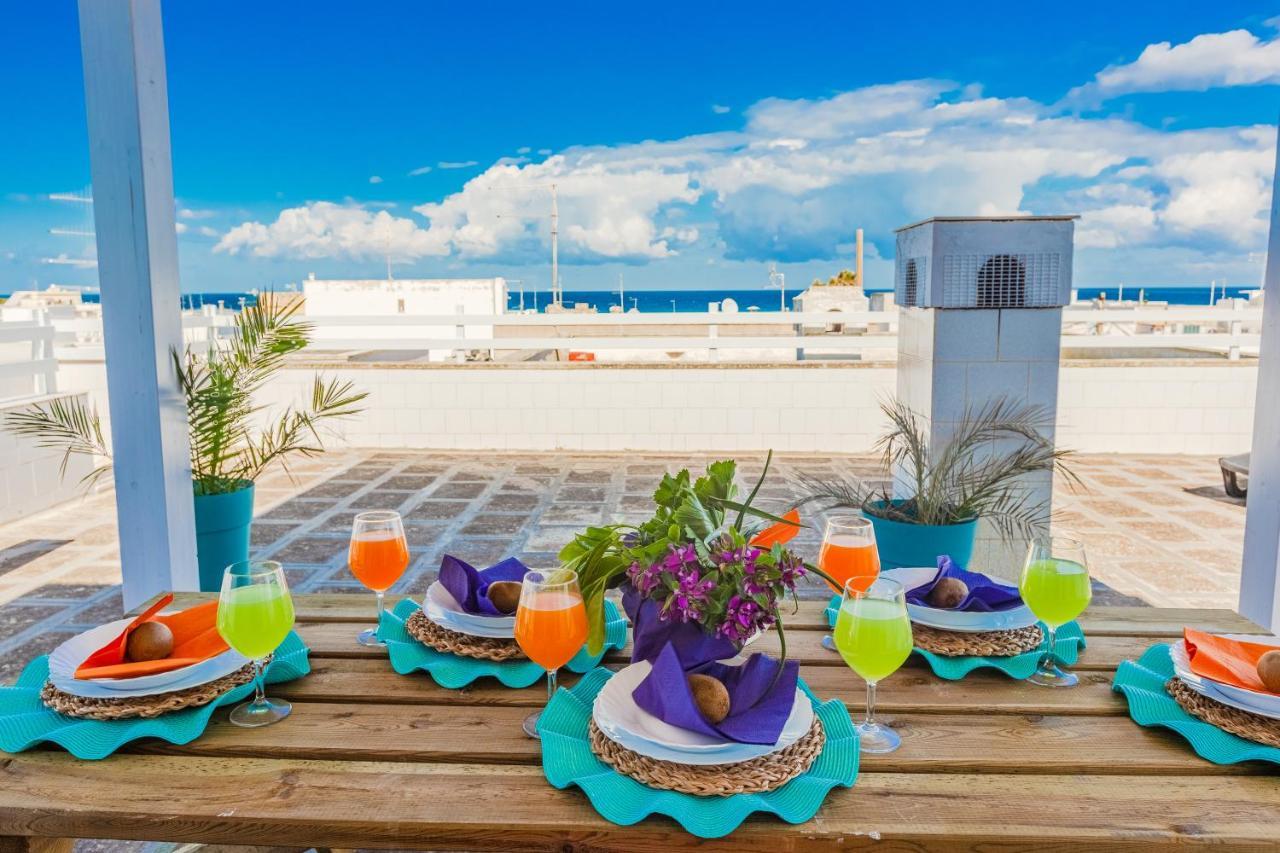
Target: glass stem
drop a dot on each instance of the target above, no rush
(377, 616)
(551, 684)
(259, 683)
(871, 703)
(1049, 660)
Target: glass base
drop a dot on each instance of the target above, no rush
(530, 725)
(1050, 674)
(369, 637)
(250, 715)
(829, 643)
(876, 739)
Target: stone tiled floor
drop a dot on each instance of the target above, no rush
(1158, 528)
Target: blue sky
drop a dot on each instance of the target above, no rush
(690, 144)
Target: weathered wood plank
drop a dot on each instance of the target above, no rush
(492, 735)
(1099, 621)
(912, 689)
(337, 639)
(486, 807)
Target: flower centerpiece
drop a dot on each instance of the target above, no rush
(704, 561)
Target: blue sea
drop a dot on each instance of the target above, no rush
(692, 301)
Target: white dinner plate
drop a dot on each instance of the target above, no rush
(622, 720)
(444, 610)
(1264, 704)
(954, 620)
(64, 660)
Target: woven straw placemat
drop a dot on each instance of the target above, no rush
(713, 780)
(1254, 727)
(441, 639)
(981, 644)
(134, 707)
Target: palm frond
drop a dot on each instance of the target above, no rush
(65, 424)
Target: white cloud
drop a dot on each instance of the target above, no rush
(456, 164)
(180, 227)
(375, 179)
(328, 230)
(719, 109)
(191, 213)
(1210, 60)
(802, 174)
(523, 149)
(421, 170)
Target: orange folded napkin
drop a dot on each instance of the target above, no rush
(1233, 662)
(778, 533)
(195, 639)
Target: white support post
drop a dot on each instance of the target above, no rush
(1260, 576)
(126, 103)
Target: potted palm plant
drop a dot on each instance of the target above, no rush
(233, 441)
(979, 473)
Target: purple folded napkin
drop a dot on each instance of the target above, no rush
(760, 697)
(985, 595)
(651, 633)
(469, 586)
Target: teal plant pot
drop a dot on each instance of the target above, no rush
(222, 533)
(901, 543)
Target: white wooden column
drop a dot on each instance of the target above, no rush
(1260, 577)
(126, 102)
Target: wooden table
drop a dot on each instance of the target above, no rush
(370, 758)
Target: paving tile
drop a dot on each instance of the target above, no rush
(108, 610)
(577, 514)
(511, 503)
(493, 524)
(437, 510)
(333, 489)
(263, 534)
(480, 553)
(66, 591)
(380, 498)
(459, 490)
(298, 509)
(530, 484)
(407, 482)
(312, 550)
(17, 556)
(551, 538)
(17, 617)
(586, 494)
(15, 660)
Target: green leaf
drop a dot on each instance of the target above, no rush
(758, 513)
(764, 473)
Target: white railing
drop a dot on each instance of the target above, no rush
(791, 332)
(34, 370)
(80, 338)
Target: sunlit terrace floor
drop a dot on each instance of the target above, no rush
(1157, 528)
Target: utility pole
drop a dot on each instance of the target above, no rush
(778, 280)
(622, 298)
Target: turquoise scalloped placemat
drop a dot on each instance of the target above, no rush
(26, 722)
(567, 760)
(1142, 683)
(1067, 646)
(452, 671)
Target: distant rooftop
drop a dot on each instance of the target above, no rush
(1011, 218)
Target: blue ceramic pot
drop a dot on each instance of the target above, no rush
(222, 533)
(901, 543)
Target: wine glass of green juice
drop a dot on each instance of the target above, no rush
(873, 635)
(1055, 585)
(255, 614)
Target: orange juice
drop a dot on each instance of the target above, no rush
(846, 557)
(551, 627)
(378, 558)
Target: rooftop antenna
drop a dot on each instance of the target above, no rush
(556, 295)
(778, 280)
(622, 297)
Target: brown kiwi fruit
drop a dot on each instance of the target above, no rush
(1269, 671)
(711, 697)
(149, 641)
(504, 595)
(947, 593)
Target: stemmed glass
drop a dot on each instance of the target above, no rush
(1055, 585)
(873, 635)
(848, 553)
(551, 625)
(255, 614)
(378, 557)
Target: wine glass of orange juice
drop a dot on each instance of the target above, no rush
(378, 557)
(551, 625)
(849, 556)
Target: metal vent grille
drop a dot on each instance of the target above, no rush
(911, 277)
(1001, 280)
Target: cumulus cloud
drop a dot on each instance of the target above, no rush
(375, 179)
(421, 170)
(719, 109)
(192, 213)
(1210, 60)
(800, 175)
(456, 164)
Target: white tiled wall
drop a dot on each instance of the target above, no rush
(1150, 408)
(29, 478)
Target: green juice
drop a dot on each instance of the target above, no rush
(254, 620)
(1057, 591)
(873, 637)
